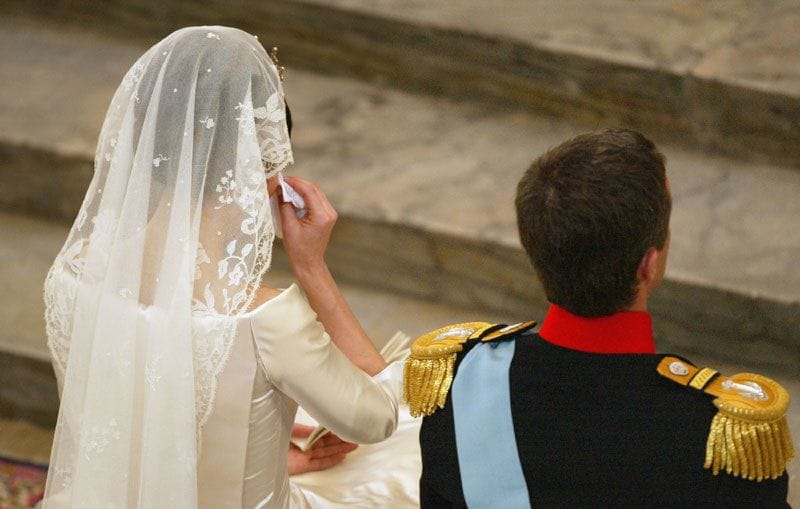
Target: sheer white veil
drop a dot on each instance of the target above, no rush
(169, 246)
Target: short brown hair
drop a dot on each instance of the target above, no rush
(587, 211)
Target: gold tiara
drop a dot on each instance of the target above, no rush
(273, 54)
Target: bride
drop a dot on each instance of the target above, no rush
(179, 375)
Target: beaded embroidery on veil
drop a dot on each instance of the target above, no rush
(168, 248)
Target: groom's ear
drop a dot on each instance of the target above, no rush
(288, 118)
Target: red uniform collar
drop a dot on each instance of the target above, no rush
(623, 332)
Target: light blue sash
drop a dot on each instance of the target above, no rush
(491, 473)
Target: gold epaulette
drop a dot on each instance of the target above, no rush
(428, 372)
(749, 436)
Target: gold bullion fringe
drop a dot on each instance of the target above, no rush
(427, 382)
(747, 449)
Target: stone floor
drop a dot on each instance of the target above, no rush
(721, 74)
(749, 43)
(429, 163)
(424, 187)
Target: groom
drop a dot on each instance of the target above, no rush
(584, 412)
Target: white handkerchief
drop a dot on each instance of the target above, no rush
(292, 196)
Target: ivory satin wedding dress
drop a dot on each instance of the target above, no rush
(173, 392)
(282, 356)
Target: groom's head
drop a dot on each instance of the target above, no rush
(593, 214)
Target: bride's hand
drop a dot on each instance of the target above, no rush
(327, 452)
(306, 239)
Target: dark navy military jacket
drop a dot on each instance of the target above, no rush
(597, 430)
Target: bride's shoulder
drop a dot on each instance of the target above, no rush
(277, 312)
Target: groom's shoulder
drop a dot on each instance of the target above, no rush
(431, 365)
(749, 436)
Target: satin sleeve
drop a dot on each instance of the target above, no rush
(300, 360)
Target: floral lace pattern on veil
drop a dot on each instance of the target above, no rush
(167, 251)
